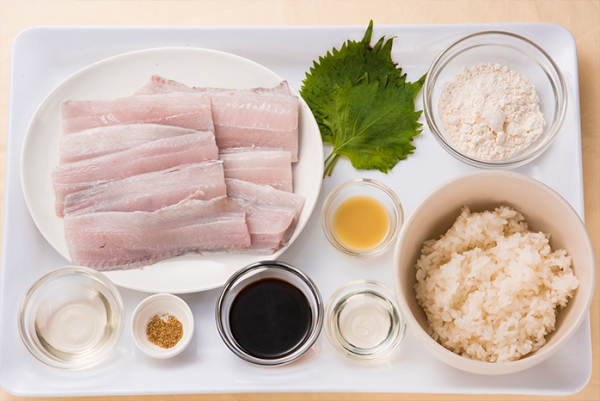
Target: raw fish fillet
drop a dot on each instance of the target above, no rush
(244, 118)
(157, 84)
(100, 141)
(267, 119)
(151, 191)
(153, 156)
(267, 167)
(230, 136)
(180, 109)
(122, 240)
(265, 195)
(267, 226)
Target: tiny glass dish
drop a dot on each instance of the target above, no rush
(516, 53)
(269, 313)
(162, 325)
(362, 217)
(362, 320)
(71, 318)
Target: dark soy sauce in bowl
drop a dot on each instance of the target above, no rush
(270, 318)
(269, 313)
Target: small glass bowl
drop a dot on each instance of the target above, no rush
(161, 304)
(516, 53)
(253, 274)
(362, 320)
(369, 188)
(71, 318)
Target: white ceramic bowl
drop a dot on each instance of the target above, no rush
(544, 210)
(516, 53)
(161, 304)
(71, 318)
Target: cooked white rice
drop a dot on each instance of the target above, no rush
(490, 287)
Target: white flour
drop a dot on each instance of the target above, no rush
(491, 112)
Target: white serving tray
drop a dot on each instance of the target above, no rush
(43, 57)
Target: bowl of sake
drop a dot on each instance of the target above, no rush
(71, 318)
(362, 217)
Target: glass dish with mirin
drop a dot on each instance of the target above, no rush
(362, 320)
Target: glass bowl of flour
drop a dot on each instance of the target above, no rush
(494, 100)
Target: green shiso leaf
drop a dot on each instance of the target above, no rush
(363, 104)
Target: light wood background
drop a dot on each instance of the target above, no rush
(581, 17)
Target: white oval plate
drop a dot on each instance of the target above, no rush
(121, 76)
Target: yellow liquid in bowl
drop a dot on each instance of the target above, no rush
(361, 222)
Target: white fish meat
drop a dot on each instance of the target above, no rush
(100, 141)
(151, 191)
(157, 84)
(263, 120)
(265, 195)
(244, 118)
(267, 167)
(180, 109)
(153, 156)
(121, 240)
(268, 226)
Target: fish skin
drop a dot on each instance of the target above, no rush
(267, 167)
(153, 156)
(265, 195)
(99, 141)
(151, 191)
(186, 110)
(125, 240)
(256, 117)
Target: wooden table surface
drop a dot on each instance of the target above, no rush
(581, 17)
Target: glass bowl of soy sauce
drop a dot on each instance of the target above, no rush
(269, 313)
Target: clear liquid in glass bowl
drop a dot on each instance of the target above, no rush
(71, 318)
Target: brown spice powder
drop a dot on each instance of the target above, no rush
(164, 330)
